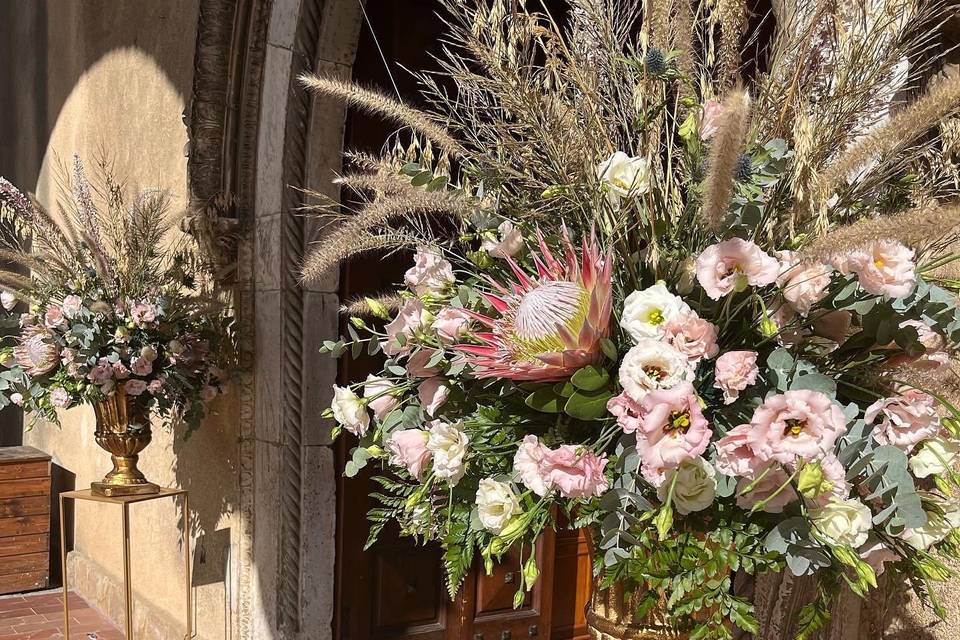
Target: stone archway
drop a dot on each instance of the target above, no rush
(256, 136)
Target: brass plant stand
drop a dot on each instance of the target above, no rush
(125, 501)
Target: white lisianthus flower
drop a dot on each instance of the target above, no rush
(509, 244)
(935, 456)
(936, 529)
(350, 411)
(695, 487)
(646, 312)
(843, 522)
(651, 365)
(622, 176)
(526, 465)
(8, 300)
(448, 443)
(496, 504)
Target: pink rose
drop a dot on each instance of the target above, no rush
(377, 391)
(884, 268)
(417, 364)
(60, 398)
(527, 465)
(120, 372)
(732, 265)
(407, 323)
(71, 305)
(803, 284)
(735, 456)
(710, 120)
(429, 274)
(769, 481)
(408, 449)
(54, 317)
(141, 367)
(451, 324)
(692, 336)
(673, 428)
(574, 475)
(134, 387)
(143, 313)
(433, 394)
(734, 372)
(627, 412)
(101, 372)
(155, 386)
(796, 425)
(905, 420)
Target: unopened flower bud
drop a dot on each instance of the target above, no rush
(811, 482)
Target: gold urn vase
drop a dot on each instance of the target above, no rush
(611, 616)
(124, 432)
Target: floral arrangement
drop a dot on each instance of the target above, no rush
(111, 304)
(713, 319)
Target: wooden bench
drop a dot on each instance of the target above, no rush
(24, 519)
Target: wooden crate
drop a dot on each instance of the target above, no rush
(24, 519)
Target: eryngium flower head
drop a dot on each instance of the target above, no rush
(550, 324)
(37, 353)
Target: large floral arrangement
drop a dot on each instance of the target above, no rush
(111, 305)
(716, 324)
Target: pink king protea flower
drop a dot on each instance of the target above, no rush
(550, 325)
(37, 353)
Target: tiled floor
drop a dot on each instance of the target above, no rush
(39, 616)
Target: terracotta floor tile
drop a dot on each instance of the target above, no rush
(14, 614)
(40, 617)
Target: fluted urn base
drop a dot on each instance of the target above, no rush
(610, 616)
(124, 433)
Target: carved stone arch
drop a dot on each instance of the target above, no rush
(259, 138)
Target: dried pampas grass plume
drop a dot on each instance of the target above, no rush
(382, 105)
(732, 16)
(330, 252)
(942, 99)
(725, 152)
(914, 228)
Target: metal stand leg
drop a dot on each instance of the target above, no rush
(63, 572)
(186, 565)
(128, 588)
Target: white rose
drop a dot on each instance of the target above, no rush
(843, 522)
(526, 465)
(652, 365)
(496, 504)
(509, 244)
(350, 411)
(623, 176)
(695, 486)
(646, 312)
(935, 457)
(448, 443)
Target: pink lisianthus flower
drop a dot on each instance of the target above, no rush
(933, 343)
(54, 317)
(710, 120)
(71, 305)
(575, 475)
(429, 274)
(417, 364)
(803, 284)
(735, 456)
(835, 478)
(451, 324)
(155, 386)
(771, 483)
(672, 430)
(60, 398)
(627, 412)
(408, 322)
(734, 372)
(377, 392)
(876, 554)
(120, 371)
(884, 268)
(732, 265)
(141, 366)
(143, 313)
(134, 387)
(527, 465)
(101, 372)
(692, 336)
(408, 449)
(833, 325)
(796, 425)
(433, 393)
(904, 420)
